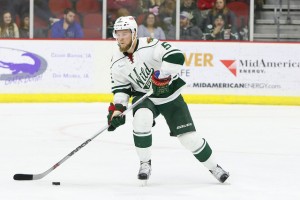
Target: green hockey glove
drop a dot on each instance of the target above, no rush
(113, 118)
(160, 85)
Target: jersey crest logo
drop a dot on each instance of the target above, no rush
(142, 79)
(149, 40)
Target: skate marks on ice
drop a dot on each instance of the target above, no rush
(258, 145)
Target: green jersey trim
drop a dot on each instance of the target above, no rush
(147, 46)
(175, 58)
(117, 61)
(122, 86)
(126, 91)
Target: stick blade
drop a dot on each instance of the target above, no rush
(23, 177)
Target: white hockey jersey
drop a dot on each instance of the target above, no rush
(133, 77)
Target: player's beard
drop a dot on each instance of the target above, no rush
(126, 48)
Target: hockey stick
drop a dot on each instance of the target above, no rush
(22, 177)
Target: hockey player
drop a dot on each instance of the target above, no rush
(137, 65)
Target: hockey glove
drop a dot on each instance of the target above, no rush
(160, 85)
(113, 118)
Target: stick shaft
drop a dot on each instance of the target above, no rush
(42, 175)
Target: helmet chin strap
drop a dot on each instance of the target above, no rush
(133, 38)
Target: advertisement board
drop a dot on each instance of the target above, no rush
(215, 72)
(59, 66)
(241, 68)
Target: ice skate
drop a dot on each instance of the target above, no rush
(144, 172)
(220, 174)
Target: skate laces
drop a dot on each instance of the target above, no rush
(218, 171)
(145, 167)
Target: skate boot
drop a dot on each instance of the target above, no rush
(144, 172)
(220, 174)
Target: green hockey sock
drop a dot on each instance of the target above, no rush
(142, 140)
(203, 153)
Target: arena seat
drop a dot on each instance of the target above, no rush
(140, 19)
(57, 7)
(241, 10)
(84, 7)
(91, 33)
(93, 20)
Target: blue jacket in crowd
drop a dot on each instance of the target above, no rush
(74, 30)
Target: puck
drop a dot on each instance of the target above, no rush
(55, 183)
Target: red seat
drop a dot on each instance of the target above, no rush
(87, 6)
(241, 10)
(57, 7)
(49, 34)
(93, 20)
(18, 20)
(140, 19)
(91, 33)
(39, 23)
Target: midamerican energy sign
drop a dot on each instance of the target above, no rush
(241, 68)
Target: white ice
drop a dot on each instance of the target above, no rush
(258, 145)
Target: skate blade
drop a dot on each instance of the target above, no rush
(143, 183)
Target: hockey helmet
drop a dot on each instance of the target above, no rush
(125, 23)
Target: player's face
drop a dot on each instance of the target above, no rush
(124, 38)
(7, 18)
(70, 18)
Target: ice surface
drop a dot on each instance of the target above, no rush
(258, 145)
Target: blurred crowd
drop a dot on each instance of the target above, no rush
(199, 19)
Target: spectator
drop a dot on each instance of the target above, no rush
(110, 26)
(258, 7)
(122, 12)
(205, 6)
(24, 26)
(259, 4)
(187, 30)
(191, 7)
(221, 9)
(150, 6)
(153, 3)
(166, 13)
(7, 5)
(220, 30)
(67, 27)
(111, 20)
(41, 9)
(244, 1)
(8, 29)
(42, 15)
(133, 6)
(150, 28)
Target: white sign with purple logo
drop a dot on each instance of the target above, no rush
(54, 66)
